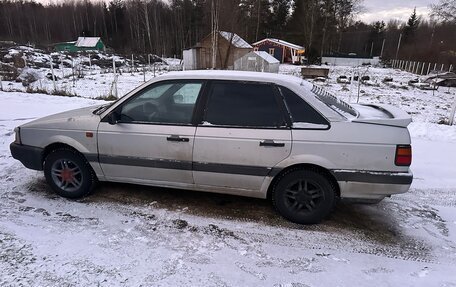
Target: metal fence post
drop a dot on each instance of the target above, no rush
(132, 64)
(144, 73)
(114, 84)
(53, 77)
(453, 111)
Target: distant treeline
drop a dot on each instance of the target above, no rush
(167, 27)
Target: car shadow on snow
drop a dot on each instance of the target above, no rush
(378, 227)
(350, 216)
(363, 219)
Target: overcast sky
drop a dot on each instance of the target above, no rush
(376, 10)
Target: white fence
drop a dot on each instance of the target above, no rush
(353, 62)
(421, 68)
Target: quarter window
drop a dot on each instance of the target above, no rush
(167, 103)
(302, 114)
(243, 105)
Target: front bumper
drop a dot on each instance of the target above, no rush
(372, 185)
(31, 157)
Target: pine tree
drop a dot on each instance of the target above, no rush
(279, 16)
(411, 27)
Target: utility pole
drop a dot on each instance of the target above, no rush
(398, 45)
(324, 35)
(215, 32)
(258, 20)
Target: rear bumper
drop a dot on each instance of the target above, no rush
(29, 156)
(372, 185)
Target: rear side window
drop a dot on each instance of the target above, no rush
(302, 114)
(243, 105)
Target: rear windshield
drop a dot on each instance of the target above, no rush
(334, 103)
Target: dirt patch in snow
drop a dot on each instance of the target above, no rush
(377, 229)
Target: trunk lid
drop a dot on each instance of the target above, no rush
(381, 114)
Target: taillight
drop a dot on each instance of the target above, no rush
(403, 155)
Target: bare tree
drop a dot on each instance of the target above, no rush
(445, 10)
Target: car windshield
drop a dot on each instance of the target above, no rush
(334, 103)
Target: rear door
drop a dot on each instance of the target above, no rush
(243, 135)
(153, 138)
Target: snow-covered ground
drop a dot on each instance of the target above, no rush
(127, 235)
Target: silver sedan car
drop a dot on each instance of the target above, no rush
(251, 134)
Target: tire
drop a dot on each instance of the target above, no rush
(68, 173)
(304, 196)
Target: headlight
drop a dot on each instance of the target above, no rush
(17, 137)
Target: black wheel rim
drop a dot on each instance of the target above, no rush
(67, 175)
(303, 196)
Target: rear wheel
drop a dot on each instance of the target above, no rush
(68, 173)
(304, 196)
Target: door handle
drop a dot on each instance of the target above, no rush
(271, 143)
(175, 138)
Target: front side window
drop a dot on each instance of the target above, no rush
(243, 105)
(302, 114)
(167, 103)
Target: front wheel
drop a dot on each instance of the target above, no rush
(68, 173)
(304, 196)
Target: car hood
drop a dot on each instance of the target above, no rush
(79, 119)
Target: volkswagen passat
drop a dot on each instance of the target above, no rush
(251, 134)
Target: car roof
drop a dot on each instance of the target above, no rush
(237, 75)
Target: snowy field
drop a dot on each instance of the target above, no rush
(127, 235)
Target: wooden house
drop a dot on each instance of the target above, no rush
(283, 51)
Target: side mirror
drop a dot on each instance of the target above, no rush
(113, 118)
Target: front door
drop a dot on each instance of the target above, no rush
(152, 140)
